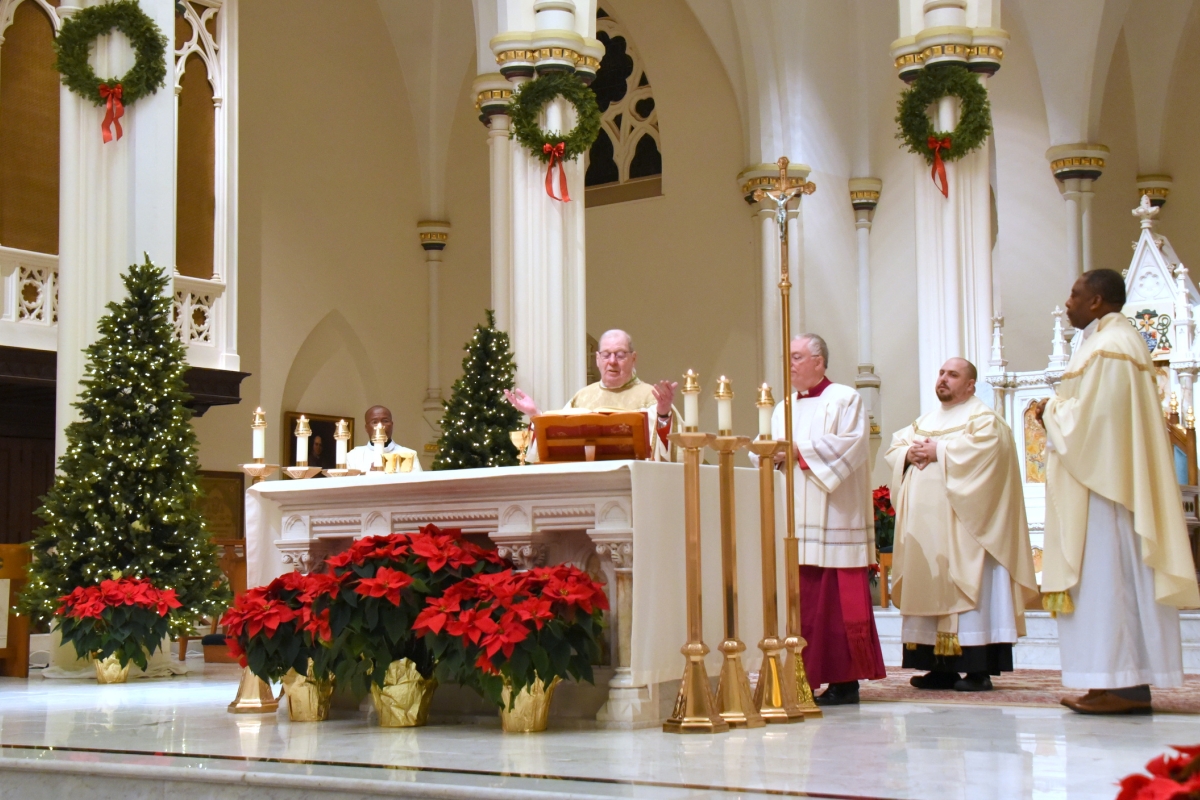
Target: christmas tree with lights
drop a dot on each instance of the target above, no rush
(123, 501)
(478, 420)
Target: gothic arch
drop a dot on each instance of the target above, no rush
(330, 336)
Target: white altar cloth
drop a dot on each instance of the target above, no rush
(634, 502)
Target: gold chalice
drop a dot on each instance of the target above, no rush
(521, 440)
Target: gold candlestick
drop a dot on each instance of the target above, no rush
(774, 697)
(341, 433)
(302, 471)
(781, 195)
(258, 469)
(735, 701)
(259, 472)
(695, 707)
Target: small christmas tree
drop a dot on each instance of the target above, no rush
(478, 420)
(124, 498)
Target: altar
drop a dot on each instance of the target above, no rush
(604, 517)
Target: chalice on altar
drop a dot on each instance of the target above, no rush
(521, 440)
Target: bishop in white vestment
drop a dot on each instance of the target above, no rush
(367, 458)
(962, 564)
(619, 389)
(1117, 565)
(835, 525)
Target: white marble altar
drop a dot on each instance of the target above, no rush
(173, 738)
(624, 518)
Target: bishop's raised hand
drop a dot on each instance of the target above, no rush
(522, 402)
(664, 393)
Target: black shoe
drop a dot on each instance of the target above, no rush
(935, 680)
(839, 694)
(974, 682)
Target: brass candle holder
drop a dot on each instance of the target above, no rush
(695, 706)
(258, 469)
(774, 695)
(379, 439)
(254, 696)
(341, 434)
(302, 471)
(780, 195)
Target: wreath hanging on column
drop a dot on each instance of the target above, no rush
(555, 148)
(149, 71)
(916, 130)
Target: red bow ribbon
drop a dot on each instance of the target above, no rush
(114, 110)
(938, 173)
(556, 157)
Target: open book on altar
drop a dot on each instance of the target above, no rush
(575, 435)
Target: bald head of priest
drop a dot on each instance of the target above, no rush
(619, 389)
(369, 456)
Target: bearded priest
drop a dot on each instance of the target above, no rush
(835, 525)
(1117, 565)
(962, 565)
(619, 389)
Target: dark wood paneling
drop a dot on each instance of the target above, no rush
(26, 473)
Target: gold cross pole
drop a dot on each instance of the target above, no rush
(781, 195)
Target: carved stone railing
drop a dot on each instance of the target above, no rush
(198, 312)
(28, 299)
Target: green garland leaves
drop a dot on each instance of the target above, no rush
(527, 103)
(934, 82)
(149, 71)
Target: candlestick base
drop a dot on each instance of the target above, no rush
(794, 667)
(259, 472)
(735, 701)
(729, 444)
(775, 697)
(342, 473)
(301, 473)
(694, 705)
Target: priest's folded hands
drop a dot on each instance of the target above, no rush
(619, 389)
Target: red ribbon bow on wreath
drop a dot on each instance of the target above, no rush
(556, 157)
(938, 173)
(114, 110)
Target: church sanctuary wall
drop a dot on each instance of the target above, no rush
(1114, 229)
(1181, 159)
(680, 271)
(332, 311)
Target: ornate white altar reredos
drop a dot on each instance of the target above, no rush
(1162, 304)
(604, 517)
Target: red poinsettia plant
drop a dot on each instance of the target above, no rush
(1170, 778)
(514, 628)
(885, 518)
(280, 626)
(383, 583)
(128, 617)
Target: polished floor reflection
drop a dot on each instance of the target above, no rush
(877, 750)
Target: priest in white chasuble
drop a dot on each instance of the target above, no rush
(962, 564)
(619, 389)
(835, 525)
(366, 458)
(1117, 565)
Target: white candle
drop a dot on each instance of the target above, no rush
(341, 451)
(764, 421)
(691, 409)
(259, 446)
(301, 445)
(724, 414)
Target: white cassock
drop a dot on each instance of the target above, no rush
(1117, 565)
(363, 457)
(962, 564)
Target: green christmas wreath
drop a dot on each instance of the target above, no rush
(81, 29)
(933, 83)
(527, 103)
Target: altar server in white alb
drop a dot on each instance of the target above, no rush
(835, 525)
(369, 458)
(1117, 565)
(962, 564)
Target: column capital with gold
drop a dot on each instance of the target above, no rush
(764, 176)
(1156, 187)
(1080, 160)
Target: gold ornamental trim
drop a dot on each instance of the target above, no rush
(1160, 192)
(986, 51)
(520, 55)
(434, 236)
(1060, 164)
(591, 62)
(558, 54)
(770, 181)
(908, 60)
(489, 96)
(864, 196)
(946, 50)
(1075, 373)
(972, 52)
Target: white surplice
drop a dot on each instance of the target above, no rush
(364, 456)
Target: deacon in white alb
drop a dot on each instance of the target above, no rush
(835, 525)
(619, 389)
(368, 457)
(1117, 565)
(962, 564)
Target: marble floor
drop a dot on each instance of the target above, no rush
(69, 738)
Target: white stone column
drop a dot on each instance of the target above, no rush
(761, 176)
(541, 249)
(1077, 167)
(953, 233)
(864, 196)
(116, 202)
(433, 236)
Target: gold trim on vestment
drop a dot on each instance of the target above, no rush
(1075, 373)
(1058, 603)
(962, 427)
(947, 645)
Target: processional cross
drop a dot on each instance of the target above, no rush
(781, 195)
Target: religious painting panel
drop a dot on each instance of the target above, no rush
(1035, 445)
(322, 450)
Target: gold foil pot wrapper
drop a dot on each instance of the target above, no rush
(254, 696)
(309, 698)
(109, 670)
(404, 700)
(530, 712)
